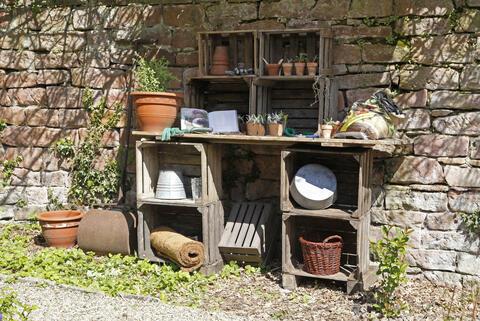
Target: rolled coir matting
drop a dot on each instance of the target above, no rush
(188, 254)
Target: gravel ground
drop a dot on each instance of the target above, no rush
(61, 303)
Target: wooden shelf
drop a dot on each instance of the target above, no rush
(340, 276)
(224, 78)
(287, 78)
(338, 213)
(187, 202)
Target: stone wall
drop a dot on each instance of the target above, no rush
(427, 50)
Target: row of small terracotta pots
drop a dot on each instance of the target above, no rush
(271, 129)
(288, 67)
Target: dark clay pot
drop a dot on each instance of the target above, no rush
(59, 228)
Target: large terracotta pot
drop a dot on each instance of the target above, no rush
(156, 111)
(219, 61)
(59, 228)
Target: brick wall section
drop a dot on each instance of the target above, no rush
(428, 50)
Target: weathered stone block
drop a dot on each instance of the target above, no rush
(451, 240)
(443, 278)
(27, 97)
(406, 199)
(60, 43)
(25, 177)
(58, 178)
(11, 195)
(21, 79)
(125, 17)
(433, 259)
(86, 19)
(443, 221)
(432, 78)
(359, 94)
(32, 136)
(280, 9)
(261, 188)
(475, 151)
(422, 8)
(464, 201)
(468, 263)
(346, 54)
(186, 58)
(330, 9)
(441, 145)
(37, 116)
(57, 60)
(370, 8)
(384, 53)
(98, 78)
(183, 15)
(364, 80)
(470, 77)
(19, 60)
(32, 157)
(398, 218)
(64, 97)
(52, 77)
(417, 118)
(442, 49)
(469, 21)
(464, 124)
(419, 27)
(73, 118)
(408, 169)
(36, 195)
(454, 100)
(13, 115)
(51, 20)
(184, 39)
(462, 176)
(412, 99)
(342, 31)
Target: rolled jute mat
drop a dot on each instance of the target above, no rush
(188, 254)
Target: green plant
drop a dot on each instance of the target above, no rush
(152, 75)
(90, 183)
(21, 203)
(302, 57)
(12, 309)
(54, 203)
(276, 118)
(8, 166)
(390, 252)
(3, 125)
(255, 119)
(232, 269)
(329, 121)
(472, 221)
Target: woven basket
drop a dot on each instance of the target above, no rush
(322, 258)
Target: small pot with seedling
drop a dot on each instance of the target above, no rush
(255, 125)
(273, 69)
(276, 123)
(312, 66)
(287, 67)
(300, 62)
(327, 127)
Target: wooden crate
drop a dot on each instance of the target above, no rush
(190, 158)
(284, 44)
(248, 233)
(355, 267)
(352, 168)
(242, 48)
(204, 224)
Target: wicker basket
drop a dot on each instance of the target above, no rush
(322, 258)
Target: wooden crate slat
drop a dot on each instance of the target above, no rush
(237, 222)
(250, 216)
(254, 226)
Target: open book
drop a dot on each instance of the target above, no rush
(223, 121)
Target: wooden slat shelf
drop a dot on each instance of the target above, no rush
(329, 213)
(224, 78)
(287, 78)
(340, 276)
(182, 202)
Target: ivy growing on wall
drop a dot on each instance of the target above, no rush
(91, 184)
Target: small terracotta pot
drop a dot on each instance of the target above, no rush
(273, 69)
(300, 68)
(274, 129)
(255, 129)
(156, 111)
(287, 68)
(326, 131)
(59, 228)
(312, 68)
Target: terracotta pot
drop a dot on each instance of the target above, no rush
(255, 129)
(275, 129)
(312, 68)
(326, 131)
(59, 228)
(156, 111)
(287, 68)
(299, 68)
(219, 61)
(273, 69)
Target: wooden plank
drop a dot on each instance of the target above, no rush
(242, 258)
(330, 213)
(205, 232)
(187, 202)
(234, 212)
(240, 250)
(259, 236)
(340, 276)
(245, 223)
(285, 204)
(252, 229)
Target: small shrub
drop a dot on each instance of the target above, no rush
(472, 221)
(7, 170)
(390, 252)
(152, 75)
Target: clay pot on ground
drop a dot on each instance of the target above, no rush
(254, 129)
(312, 68)
(300, 68)
(156, 110)
(326, 131)
(287, 68)
(273, 69)
(219, 61)
(60, 228)
(274, 129)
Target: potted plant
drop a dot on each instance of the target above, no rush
(327, 127)
(255, 125)
(155, 108)
(273, 69)
(300, 62)
(287, 67)
(276, 123)
(312, 66)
